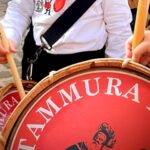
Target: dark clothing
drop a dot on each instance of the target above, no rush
(50, 62)
(134, 18)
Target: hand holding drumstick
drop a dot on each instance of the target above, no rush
(138, 46)
(6, 49)
(141, 54)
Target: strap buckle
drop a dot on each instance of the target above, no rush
(45, 45)
(31, 62)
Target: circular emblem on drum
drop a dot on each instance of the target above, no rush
(93, 107)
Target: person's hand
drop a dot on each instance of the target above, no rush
(3, 51)
(141, 53)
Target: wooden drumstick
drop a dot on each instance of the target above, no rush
(140, 24)
(12, 64)
(2, 142)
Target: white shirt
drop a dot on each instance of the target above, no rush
(106, 22)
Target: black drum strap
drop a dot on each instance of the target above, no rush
(65, 21)
(58, 28)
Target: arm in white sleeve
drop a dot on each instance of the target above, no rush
(17, 19)
(117, 16)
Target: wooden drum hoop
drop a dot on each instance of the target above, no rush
(102, 70)
(9, 99)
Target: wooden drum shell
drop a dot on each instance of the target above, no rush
(114, 102)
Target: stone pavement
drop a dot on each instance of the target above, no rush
(5, 73)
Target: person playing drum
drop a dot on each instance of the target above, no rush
(141, 53)
(104, 26)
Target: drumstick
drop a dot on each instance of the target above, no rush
(1, 141)
(140, 24)
(12, 64)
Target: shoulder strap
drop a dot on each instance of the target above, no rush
(65, 21)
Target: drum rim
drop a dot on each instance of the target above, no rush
(5, 89)
(56, 75)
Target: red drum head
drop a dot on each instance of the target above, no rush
(93, 105)
(9, 99)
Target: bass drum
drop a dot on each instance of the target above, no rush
(9, 99)
(91, 105)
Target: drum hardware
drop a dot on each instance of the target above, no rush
(31, 62)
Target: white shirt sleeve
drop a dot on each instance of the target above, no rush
(17, 19)
(117, 16)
